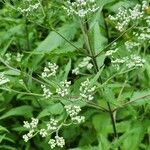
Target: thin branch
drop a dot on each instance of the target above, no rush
(19, 92)
(24, 73)
(115, 40)
(27, 34)
(132, 101)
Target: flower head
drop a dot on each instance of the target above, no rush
(81, 8)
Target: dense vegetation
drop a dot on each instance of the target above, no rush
(74, 74)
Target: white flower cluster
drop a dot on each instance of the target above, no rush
(3, 79)
(19, 57)
(111, 52)
(148, 20)
(130, 45)
(125, 16)
(113, 49)
(31, 126)
(50, 70)
(10, 57)
(58, 141)
(43, 132)
(63, 88)
(143, 34)
(135, 61)
(81, 8)
(73, 111)
(46, 92)
(85, 63)
(28, 136)
(28, 7)
(145, 5)
(130, 62)
(52, 124)
(86, 91)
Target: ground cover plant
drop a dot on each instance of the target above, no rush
(75, 74)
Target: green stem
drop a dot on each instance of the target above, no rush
(90, 51)
(88, 45)
(27, 34)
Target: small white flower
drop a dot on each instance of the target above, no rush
(78, 119)
(19, 57)
(89, 66)
(43, 132)
(85, 63)
(63, 89)
(126, 16)
(111, 52)
(50, 70)
(59, 141)
(34, 122)
(72, 110)
(30, 134)
(130, 45)
(76, 71)
(46, 92)
(52, 143)
(8, 56)
(52, 124)
(28, 7)
(3, 79)
(25, 138)
(26, 124)
(86, 92)
(81, 8)
(130, 62)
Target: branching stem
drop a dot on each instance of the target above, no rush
(91, 53)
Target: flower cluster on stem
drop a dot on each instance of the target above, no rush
(73, 111)
(125, 16)
(28, 7)
(86, 91)
(63, 88)
(50, 70)
(46, 92)
(81, 8)
(32, 128)
(85, 63)
(3, 79)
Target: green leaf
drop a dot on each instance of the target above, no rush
(101, 123)
(54, 40)
(99, 37)
(103, 142)
(7, 147)
(96, 77)
(54, 109)
(86, 148)
(3, 129)
(2, 137)
(67, 69)
(18, 111)
(131, 138)
(141, 97)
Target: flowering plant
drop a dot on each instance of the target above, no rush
(74, 75)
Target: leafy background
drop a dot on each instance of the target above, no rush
(40, 39)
